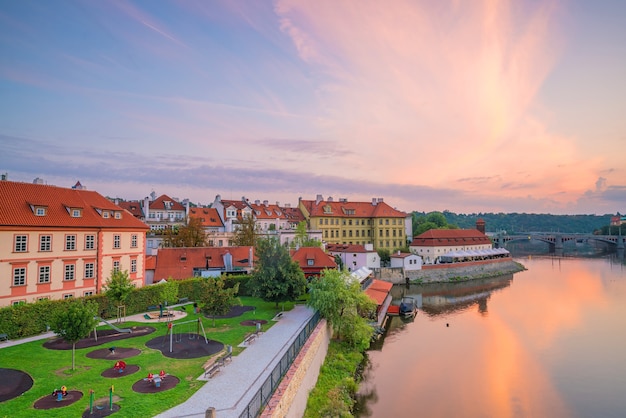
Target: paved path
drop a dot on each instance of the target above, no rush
(230, 390)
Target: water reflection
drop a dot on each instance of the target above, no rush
(551, 345)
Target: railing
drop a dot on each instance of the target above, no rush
(263, 395)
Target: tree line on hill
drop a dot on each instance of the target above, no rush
(513, 222)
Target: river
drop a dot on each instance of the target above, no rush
(546, 342)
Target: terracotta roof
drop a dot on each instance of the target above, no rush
(19, 200)
(401, 255)
(178, 263)
(321, 260)
(133, 206)
(378, 291)
(448, 237)
(150, 262)
(262, 211)
(209, 216)
(344, 208)
(294, 215)
(159, 204)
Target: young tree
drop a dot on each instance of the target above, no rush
(276, 277)
(302, 238)
(75, 323)
(247, 233)
(190, 235)
(385, 256)
(118, 287)
(217, 299)
(339, 299)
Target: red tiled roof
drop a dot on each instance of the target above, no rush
(351, 209)
(159, 204)
(321, 260)
(133, 206)
(294, 215)
(209, 216)
(378, 291)
(178, 263)
(401, 255)
(17, 202)
(262, 211)
(448, 237)
(150, 262)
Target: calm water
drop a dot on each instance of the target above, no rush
(546, 342)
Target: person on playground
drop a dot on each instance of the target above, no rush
(64, 391)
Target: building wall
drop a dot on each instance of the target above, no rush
(101, 256)
(430, 254)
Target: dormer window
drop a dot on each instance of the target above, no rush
(76, 213)
(118, 215)
(310, 262)
(105, 214)
(40, 211)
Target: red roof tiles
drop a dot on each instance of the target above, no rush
(447, 237)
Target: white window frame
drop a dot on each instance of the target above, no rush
(69, 272)
(19, 276)
(90, 269)
(20, 244)
(90, 242)
(117, 242)
(133, 266)
(44, 275)
(45, 243)
(70, 242)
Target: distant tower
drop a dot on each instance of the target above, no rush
(480, 225)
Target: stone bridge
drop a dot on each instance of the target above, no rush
(555, 240)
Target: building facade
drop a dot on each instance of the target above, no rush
(361, 223)
(355, 256)
(436, 243)
(60, 243)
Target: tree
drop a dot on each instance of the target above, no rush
(247, 233)
(276, 277)
(385, 256)
(302, 238)
(75, 323)
(119, 287)
(340, 300)
(168, 291)
(218, 300)
(192, 234)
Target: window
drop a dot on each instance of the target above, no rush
(40, 212)
(69, 271)
(42, 298)
(133, 266)
(90, 242)
(89, 270)
(19, 276)
(21, 243)
(88, 293)
(118, 215)
(76, 213)
(116, 266)
(44, 274)
(310, 262)
(116, 241)
(133, 241)
(18, 302)
(70, 242)
(45, 242)
(68, 296)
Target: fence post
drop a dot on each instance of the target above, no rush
(210, 412)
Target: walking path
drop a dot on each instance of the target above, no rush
(232, 388)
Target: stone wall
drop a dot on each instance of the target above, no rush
(450, 272)
(289, 399)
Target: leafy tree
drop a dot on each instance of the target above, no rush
(385, 256)
(339, 262)
(75, 323)
(341, 301)
(217, 299)
(168, 291)
(247, 233)
(192, 234)
(302, 238)
(276, 277)
(119, 287)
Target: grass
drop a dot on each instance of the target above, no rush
(51, 369)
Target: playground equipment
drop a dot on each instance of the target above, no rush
(122, 330)
(172, 325)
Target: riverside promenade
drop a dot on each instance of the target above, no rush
(232, 388)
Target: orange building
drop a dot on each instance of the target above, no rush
(59, 242)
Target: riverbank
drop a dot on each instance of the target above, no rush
(455, 272)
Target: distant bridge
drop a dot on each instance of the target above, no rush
(555, 241)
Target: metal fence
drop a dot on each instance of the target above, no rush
(263, 395)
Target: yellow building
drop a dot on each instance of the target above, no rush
(345, 222)
(60, 243)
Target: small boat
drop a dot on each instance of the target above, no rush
(408, 307)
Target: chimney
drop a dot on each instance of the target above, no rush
(330, 198)
(318, 199)
(257, 202)
(480, 225)
(277, 203)
(265, 203)
(373, 201)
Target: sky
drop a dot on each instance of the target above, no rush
(471, 106)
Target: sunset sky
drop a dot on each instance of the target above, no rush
(461, 105)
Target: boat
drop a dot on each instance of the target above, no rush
(408, 307)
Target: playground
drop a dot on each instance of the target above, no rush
(181, 347)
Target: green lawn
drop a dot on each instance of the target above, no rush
(51, 369)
